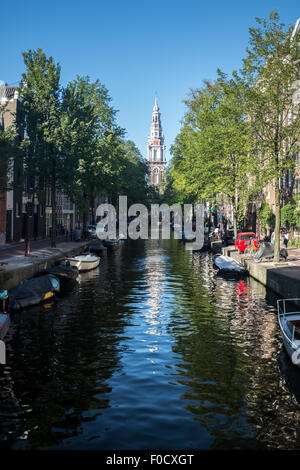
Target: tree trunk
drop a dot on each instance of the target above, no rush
(53, 205)
(277, 221)
(235, 224)
(235, 209)
(93, 211)
(84, 216)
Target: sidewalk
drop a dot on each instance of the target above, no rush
(18, 248)
(294, 256)
(15, 267)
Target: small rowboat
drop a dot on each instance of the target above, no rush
(226, 264)
(289, 322)
(84, 262)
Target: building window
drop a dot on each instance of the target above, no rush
(155, 175)
(154, 154)
(297, 186)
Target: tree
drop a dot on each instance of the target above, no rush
(266, 216)
(133, 174)
(212, 152)
(41, 122)
(271, 69)
(289, 215)
(92, 147)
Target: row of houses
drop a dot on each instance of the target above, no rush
(19, 207)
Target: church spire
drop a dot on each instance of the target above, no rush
(156, 148)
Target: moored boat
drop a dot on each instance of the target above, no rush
(32, 292)
(111, 244)
(64, 271)
(4, 315)
(188, 236)
(84, 262)
(289, 323)
(97, 248)
(226, 264)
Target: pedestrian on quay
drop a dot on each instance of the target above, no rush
(286, 239)
(273, 238)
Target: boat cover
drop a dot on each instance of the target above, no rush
(97, 248)
(32, 292)
(226, 263)
(4, 324)
(64, 271)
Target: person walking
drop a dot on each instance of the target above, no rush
(286, 239)
(273, 238)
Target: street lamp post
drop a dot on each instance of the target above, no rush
(28, 210)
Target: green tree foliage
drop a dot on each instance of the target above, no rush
(91, 141)
(271, 69)
(73, 142)
(133, 174)
(290, 217)
(212, 151)
(266, 216)
(41, 122)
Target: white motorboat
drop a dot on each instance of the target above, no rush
(228, 264)
(84, 262)
(289, 322)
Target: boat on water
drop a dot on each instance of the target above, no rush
(111, 244)
(226, 264)
(289, 323)
(4, 315)
(97, 248)
(188, 236)
(64, 271)
(33, 291)
(84, 262)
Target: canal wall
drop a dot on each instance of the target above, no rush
(283, 278)
(12, 275)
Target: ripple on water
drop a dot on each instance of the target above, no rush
(151, 350)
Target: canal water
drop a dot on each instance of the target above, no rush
(153, 350)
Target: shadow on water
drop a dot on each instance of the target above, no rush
(152, 350)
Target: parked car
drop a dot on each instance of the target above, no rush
(245, 239)
(228, 237)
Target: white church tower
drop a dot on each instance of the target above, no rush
(156, 149)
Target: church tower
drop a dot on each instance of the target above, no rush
(156, 149)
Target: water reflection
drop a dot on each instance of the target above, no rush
(151, 350)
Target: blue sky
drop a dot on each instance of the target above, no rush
(136, 48)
